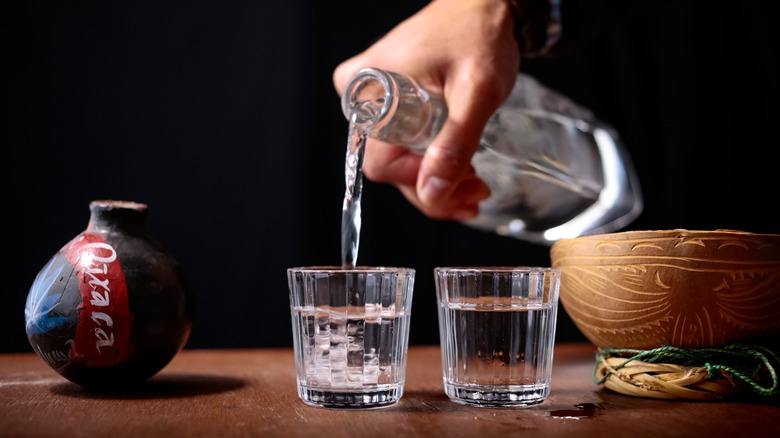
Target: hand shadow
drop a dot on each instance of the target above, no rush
(160, 386)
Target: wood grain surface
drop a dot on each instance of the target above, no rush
(252, 393)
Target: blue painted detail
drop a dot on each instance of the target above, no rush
(40, 302)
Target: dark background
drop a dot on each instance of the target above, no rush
(221, 116)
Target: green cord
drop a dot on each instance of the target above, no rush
(742, 362)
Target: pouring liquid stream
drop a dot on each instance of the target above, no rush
(360, 122)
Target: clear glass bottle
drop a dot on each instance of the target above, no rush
(555, 171)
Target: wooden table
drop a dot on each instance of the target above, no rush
(247, 393)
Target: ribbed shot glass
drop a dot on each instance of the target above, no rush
(497, 331)
(351, 333)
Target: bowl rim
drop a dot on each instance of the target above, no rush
(626, 235)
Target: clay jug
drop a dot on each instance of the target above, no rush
(111, 308)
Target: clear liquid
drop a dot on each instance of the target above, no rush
(497, 356)
(342, 350)
(353, 175)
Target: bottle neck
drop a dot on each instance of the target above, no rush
(369, 98)
(393, 108)
(121, 216)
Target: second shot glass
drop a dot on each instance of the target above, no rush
(497, 331)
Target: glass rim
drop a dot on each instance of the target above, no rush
(494, 269)
(355, 270)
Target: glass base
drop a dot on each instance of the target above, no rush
(356, 399)
(497, 395)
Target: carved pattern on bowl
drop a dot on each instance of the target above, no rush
(678, 287)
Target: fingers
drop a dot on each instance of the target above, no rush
(395, 165)
(445, 165)
(472, 99)
(462, 205)
(386, 163)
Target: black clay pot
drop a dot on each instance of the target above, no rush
(111, 308)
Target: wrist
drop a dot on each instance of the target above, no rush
(537, 25)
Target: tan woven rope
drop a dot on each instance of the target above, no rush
(695, 374)
(661, 380)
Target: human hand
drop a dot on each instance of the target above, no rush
(464, 51)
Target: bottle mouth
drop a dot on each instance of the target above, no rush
(368, 97)
(117, 204)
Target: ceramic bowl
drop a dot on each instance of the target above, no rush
(647, 289)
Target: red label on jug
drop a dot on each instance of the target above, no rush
(103, 332)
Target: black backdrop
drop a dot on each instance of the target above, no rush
(221, 116)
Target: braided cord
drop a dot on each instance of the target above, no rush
(742, 362)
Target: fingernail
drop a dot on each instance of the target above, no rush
(434, 189)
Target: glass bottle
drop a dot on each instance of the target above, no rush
(554, 169)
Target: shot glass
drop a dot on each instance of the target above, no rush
(351, 333)
(497, 331)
